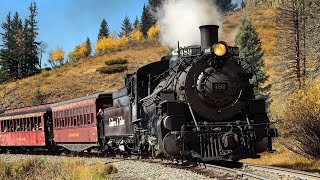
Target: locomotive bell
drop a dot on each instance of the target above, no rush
(209, 36)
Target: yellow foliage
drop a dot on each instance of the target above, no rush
(153, 31)
(303, 104)
(299, 107)
(56, 55)
(79, 52)
(84, 49)
(124, 40)
(1, 94)
(105, 45)
(300, 115)
(136, 35)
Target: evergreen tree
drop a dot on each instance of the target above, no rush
(25, 63)
(32, 60)
(12, 48)
(136, 23)
(104, 30)
(225, 5)
(126, 28)
(243, 4)
(153, 6)
(249, 44)
(6, 50)
(146, 21)
(19, 55)
(18, 47)
(88, 43)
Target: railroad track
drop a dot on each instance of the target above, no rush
(232, 171)
(208, 170)
(237, 173)
(272, 172)
(247, 171)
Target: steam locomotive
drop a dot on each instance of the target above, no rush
(197, 104)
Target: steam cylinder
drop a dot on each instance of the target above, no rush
(209, 35)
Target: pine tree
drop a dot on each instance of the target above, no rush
(32, 59)
(225, 5)
(6, 50)
(104, 30)
(19, 56)
(18, 46)
(126, 28)
(88, 43)
(243, 4)
(247, 39)
(12, 51)
(153, 6)
(136, 23)
(25, 63)
(146, 21)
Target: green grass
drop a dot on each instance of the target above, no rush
(112, 69)
(116, 61)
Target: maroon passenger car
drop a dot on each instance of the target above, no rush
(75, 122)
(27, 127)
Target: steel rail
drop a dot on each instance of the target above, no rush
(284, 171)
(238, 172)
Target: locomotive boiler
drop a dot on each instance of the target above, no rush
(198, 104)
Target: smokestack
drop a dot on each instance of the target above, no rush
(209, 36)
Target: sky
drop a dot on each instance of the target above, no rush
(67, 23)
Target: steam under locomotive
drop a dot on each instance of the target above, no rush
(198, 104)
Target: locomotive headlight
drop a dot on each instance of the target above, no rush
(220, 48)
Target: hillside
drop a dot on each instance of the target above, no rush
(81, 78)
(75, 80)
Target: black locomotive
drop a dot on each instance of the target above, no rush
(196, 105)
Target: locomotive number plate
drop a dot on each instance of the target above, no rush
(219, 86)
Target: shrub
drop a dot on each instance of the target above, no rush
(301, 116)
(45, 74)
(56, 57)
(112, 69)
(79, 52)
(105, 45)
(153, 32)
(116, 61)
(136, 35)
(39, 98)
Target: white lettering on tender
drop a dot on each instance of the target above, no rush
(119, 121)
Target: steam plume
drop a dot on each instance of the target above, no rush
(179, 20)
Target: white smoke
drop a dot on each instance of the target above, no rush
(179, 20)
